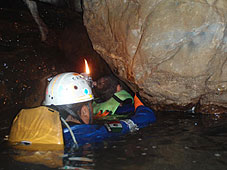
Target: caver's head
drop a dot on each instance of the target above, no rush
(72, 96)
(105, 87)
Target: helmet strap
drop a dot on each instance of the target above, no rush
(70, 112)
(74, 114)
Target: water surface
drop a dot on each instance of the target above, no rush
(176, 141)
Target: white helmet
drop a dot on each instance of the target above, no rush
(67, 88)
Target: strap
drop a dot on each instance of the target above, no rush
(127, 101)
(117, 99)
(75, 115)
(68, 110)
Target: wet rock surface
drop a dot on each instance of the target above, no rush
(172, 52)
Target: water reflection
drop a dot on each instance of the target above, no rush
(173, 142)
(70, 158)
(52, 159)
(81, 159)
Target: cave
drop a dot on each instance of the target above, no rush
(172, 53)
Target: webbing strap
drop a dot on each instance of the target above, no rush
(127, 101)
(117, 99)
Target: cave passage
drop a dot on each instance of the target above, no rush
(177, 141)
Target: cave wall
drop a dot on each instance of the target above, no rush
(174, 52)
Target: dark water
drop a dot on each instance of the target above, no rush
(176, 141)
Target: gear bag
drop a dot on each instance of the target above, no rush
(37, 126)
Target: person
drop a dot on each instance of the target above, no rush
(70, 94)
(112, 98)
(68, 99)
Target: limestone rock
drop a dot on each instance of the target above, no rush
(174, 52)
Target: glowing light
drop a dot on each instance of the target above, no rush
(87, 70)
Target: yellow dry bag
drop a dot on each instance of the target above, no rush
(34, 127)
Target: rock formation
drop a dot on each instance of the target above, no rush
(174, 52)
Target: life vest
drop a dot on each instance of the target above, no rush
(113, 103)
(37, 128)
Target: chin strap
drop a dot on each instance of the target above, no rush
(72, 113)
